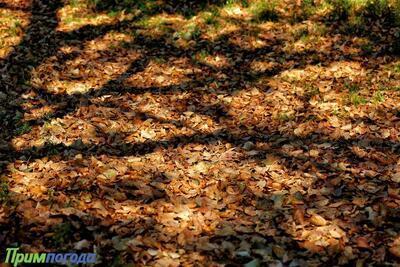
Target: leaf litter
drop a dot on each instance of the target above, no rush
(239, 142)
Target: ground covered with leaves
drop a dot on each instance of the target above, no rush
(208, 133)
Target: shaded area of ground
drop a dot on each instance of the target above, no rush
(254, 145)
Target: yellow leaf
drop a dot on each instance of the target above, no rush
(318, 220)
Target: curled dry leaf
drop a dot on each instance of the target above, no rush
(318, 220)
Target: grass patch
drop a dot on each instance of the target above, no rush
(202, 55)
(352, 87)
(74, 3)
(358, 11)
(264, 11)
(378, 97)
(367, 48)
(148, 7)
(61, 233)
(356, 100)
(113, 13)
(311, 91)
(4, 192)
(190, 32)
(305, 38)
(300, 32)
(15, 28)
(283, 116)
(319, 30)
(72, 19)
(308, 8)
(211, 18)
(243, 3)
(148, 22)
(397, 68)
(354, 97)
(23, 129)
(389, 88)
(160, 60)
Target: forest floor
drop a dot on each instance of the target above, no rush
(170, 133)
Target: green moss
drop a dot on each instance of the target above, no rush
(4, 192)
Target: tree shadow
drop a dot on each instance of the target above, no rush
(229, 241)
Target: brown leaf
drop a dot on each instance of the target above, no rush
(312, 247)
(362, 242)
(299, 216)
(395, 247)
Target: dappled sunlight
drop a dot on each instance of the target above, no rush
(79, 74)
(258, 66)
(217, 33)
(347, 100)
(234, 11)
(162, 25)
(137, 121)
(162, 72)
(142, 188)
(254, 37)
(35, 113)
(180, 132)
(306, 44)
(217, 61)
(78, 13)
(12, 25)
(55, 133)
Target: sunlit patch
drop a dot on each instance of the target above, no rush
(273, 110)
(175, 29)
(161, 25)
(293, 75)
(349, 69)
(234, 11)
(250, 39)
(117, 177)
(339, 69)
(262, 66)
(146, 119)
(307, 36)
(36, 113)
(162, 73)
(102, 60)
(306, 28)
(28, 178)
(258, 36)
(306, 43)
(69, 49)
(323, 237)
(110, 41)
(217, 61)
(12, 25)
(78, 13)
(77, 132)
